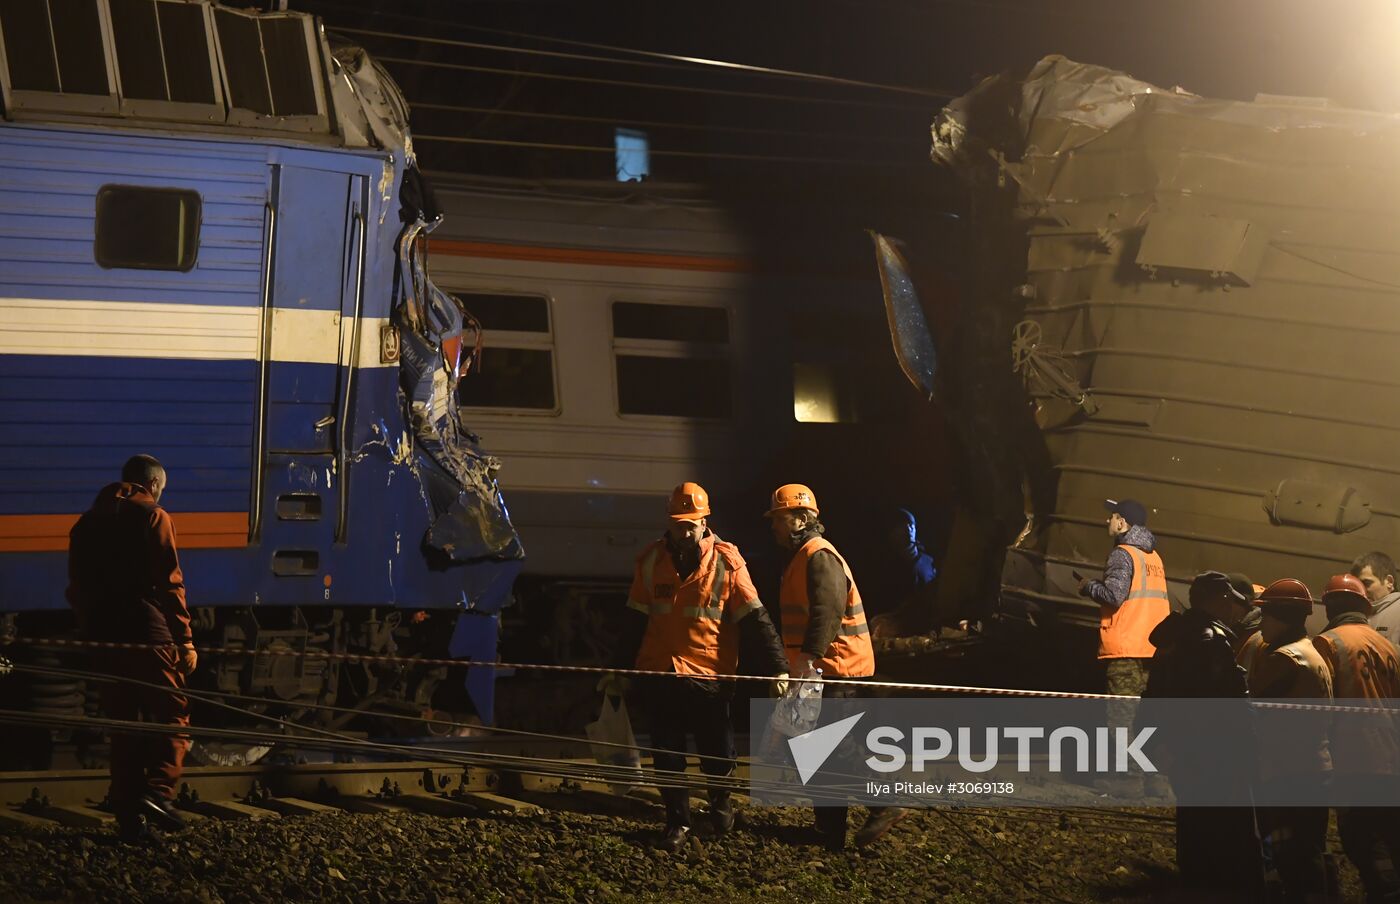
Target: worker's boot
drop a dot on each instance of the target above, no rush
(160, 812)
(677, 801)
(721, 812)
(880, 822)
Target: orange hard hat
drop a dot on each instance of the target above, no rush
(689, 502)
(1288, 595)
(792, 496)
(1351, 591)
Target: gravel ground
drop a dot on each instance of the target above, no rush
(562, 856)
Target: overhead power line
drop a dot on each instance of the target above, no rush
(608, 149)
(652, 86)
(655, 124)
(693, 61)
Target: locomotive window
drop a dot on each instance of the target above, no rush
(69, 59)
(674, 387)
(288, 66)
(29, 45)
(136, 32)
(268, 63)
(146, 228)
(179, 70)
(679, 323)
(517, 365)
(515, 313)
(185, 44)
(241, 48)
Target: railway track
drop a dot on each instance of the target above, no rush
(76, 798)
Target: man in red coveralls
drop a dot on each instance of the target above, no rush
(125, 586)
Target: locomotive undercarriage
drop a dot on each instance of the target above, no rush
(288, 682)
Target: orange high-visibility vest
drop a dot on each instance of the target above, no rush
(1364, 666)
(1123, 631)
(692, 623)
(850, 654)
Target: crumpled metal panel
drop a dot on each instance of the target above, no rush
(469, 516)
(1222, 278)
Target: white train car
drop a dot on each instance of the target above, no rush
(635, 339)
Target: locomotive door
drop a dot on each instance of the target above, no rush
(314, 279)
(313, 292)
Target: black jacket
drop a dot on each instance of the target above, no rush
(1195, 658)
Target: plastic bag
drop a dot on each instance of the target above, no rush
(614, 727)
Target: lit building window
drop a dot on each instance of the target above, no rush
(633, 155)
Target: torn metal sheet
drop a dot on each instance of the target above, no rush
(1198, 299)
(913, 343)
(469, 517)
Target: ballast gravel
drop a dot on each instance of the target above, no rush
(956, 856)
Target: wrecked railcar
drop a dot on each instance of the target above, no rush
(212, 243)
(1185, 301)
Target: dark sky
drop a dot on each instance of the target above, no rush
(1227, 48)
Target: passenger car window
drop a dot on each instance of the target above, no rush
(672, 360)
(517, 362)
(147, 228)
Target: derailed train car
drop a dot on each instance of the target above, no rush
(210, 250)
(1185, 301)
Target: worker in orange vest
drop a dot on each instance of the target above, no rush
(1133, 600)
(1365, 752)
(690, 602)
(824, 628)
(1295, 760)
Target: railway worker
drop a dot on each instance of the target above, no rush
(1376, 570)
(691, 604)
(1217, 845)
(1246, 623)
(125, 585)
(824, 628)
(1295, 760)
(907, 605)
(1365, 751)
(1248, 640)
(1133, 600)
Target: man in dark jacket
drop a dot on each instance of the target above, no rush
(1216, 846)
(125, 585)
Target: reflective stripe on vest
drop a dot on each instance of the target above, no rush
(1141, 587)
(686, 631)
(714, 610)
(850, 653)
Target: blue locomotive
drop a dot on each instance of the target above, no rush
(211, 235)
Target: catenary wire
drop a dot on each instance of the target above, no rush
(690, 60)
(654, 124)
(712, 155)
(650, 86)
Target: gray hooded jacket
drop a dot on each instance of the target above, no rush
(1118, 571)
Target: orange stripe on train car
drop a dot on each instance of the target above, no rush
(541, 253)
(193, 530)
